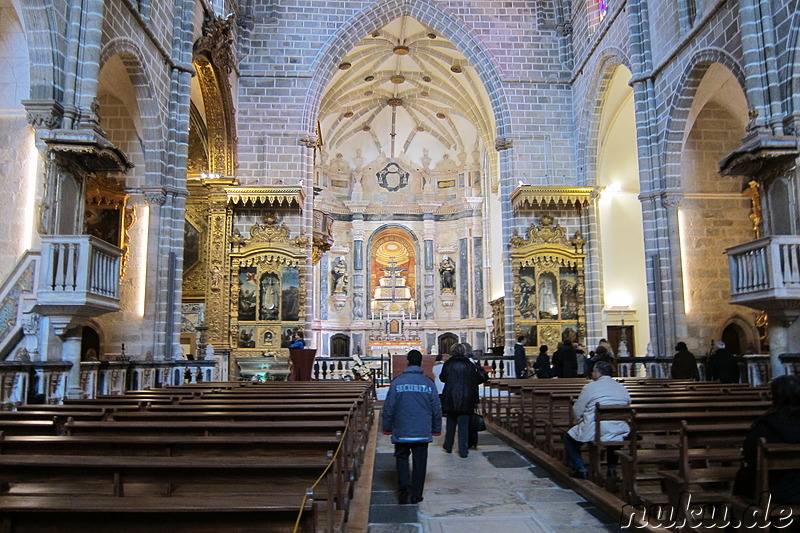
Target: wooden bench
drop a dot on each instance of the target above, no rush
(160, 456)
(654, 445)
(150, 487)
(243, 514)
(762, 513)
(170, 445)
(707, 463)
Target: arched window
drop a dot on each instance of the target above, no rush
(602, 9)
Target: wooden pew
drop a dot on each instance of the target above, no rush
(170, 445)
(313, 424)
(708, 460)
(762, 513)
(154, 486)
(653, 445)
(243, 514)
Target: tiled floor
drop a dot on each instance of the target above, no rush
(494, 490)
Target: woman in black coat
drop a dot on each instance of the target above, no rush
(461, 380)
(565, 363)
(781, 423)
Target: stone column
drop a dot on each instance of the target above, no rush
(428, 311)
(358, 209)
(71, 353)
(780, 321)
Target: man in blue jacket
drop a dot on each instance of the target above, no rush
(412, 414)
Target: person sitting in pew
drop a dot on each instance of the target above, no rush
(780, 424)
(605, 391)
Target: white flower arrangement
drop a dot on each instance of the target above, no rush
(360, 369)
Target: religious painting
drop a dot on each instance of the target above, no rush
(548, 304)
(286, 336)
(529, 332)
(191, 245)
(290, 294)
(247, 337)
(269, 297)
(247, 294)
(568, 283)
(569, 333)
(527, 292)
(103, 224)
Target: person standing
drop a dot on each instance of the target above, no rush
(483, 377)
(520, 360)
(459, 397)
(722, 365)
(605, 391)
(684, 364)
(565, 362)
(437, 372)
(542, 364)
(412, 415)
(298, 343)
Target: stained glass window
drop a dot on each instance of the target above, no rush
(602, 8)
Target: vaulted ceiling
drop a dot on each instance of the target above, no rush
(401, 90)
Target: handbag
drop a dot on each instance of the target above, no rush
(477, 422)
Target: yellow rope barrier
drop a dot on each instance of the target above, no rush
(327, 468)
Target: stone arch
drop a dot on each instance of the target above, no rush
(587, 139)
(14, 62)
(214, 60)
(744, 330)
(681, 104)
(412, 241)
(791, 87)
(152, 131)
(428, 13)
(43, 49)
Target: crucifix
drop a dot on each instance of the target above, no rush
(393, 270)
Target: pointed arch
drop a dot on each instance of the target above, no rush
(149, 112)
(681, 104)
(587, 140)
(45, 52)
(428, 13)
(791, 85)
(410, 243)
(213, 59)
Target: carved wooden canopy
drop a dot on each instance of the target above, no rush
(529, 196)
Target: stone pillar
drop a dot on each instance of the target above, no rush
(779, 341)
(358, 259)
(428, 311)
(71, 353)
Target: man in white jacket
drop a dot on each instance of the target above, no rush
(605, 391)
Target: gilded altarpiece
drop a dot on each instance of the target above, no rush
(249, 280)
(267, 290)
(548, 284)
